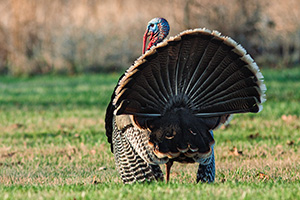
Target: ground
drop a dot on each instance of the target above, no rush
(53, 144)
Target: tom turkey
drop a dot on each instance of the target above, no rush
(167, 103)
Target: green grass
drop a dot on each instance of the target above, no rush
(53, 144)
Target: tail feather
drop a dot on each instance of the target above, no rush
(216, 80)
(238, 86)
(201, 70)
(245, 104)
(163, 59)
(194, 70)
(243, 93)
(228, 78)
(159, 81)
(173, 58)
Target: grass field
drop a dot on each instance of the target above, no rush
(53, 144)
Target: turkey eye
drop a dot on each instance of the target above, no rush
(151, 25)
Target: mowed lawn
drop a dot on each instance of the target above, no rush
(53, 144)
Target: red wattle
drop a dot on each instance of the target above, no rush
(144, 41)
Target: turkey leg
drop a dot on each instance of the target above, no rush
(168, 169)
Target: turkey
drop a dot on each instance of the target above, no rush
(165, 106)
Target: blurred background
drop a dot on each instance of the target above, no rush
(71, 37)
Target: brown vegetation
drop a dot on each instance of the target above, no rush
(40, 36)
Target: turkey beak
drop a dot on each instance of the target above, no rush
(146, 35)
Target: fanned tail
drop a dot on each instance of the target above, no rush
(185, 87)
(202, 70)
